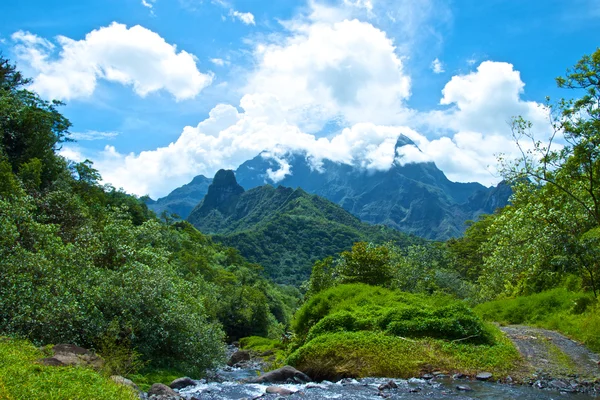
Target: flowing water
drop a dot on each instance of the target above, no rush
(367, 388)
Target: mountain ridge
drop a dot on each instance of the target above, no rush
(415, 198)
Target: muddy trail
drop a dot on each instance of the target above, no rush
(551, 358)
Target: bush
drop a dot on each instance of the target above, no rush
(361, 307)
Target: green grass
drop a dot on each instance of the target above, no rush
(22, 378)
(276, 350)
(574, 314)
(361, 354)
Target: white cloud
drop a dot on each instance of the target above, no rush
(93, 135)
(132, 56)
(474, 127)
(246, 17)
(437, 67)
(330, 68)
(325, 70)
(219, 61)
(149, 4)
(485, 100)
(72, 153)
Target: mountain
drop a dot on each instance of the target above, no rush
(416, 198)
(182, 200)
(286, 230)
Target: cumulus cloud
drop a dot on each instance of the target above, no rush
(485, 100)
(325, 70)
(471, 133)
(437, 67)
(133, 56)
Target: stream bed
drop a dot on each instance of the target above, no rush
(368, 388)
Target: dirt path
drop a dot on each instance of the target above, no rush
(552, 355)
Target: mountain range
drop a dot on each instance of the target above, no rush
(415, 198)
(284, 229)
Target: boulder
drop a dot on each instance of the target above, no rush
(158, 391)
(483, 376)
(181, 383)
(279, 390)
(238, 356)
(388, 385)
(283, 374)
(69, 354)
(125, 382)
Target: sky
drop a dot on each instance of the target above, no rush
(159, 91)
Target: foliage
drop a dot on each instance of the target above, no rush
(428, 268)
(549, 229)
(22, 378)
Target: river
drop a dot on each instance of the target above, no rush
(367, 388)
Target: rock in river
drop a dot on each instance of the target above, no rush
(283, 374)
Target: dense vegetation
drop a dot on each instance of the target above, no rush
(283, 229)
(90, 265)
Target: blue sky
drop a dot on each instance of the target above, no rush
(159, 91)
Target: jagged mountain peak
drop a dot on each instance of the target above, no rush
(224, 177)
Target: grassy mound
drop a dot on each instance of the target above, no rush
(359, 330)
(360, 354)
(22, 378)
(574, 314)
(358, 307)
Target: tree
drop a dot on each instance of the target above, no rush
(29, 126)
(556, 198)
(366, 263)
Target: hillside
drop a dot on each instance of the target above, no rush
(283, 229)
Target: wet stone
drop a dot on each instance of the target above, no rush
(279, 390)
(388, 385)
(181, 383)
(464, 388)
(427, 376)
(483, 376)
